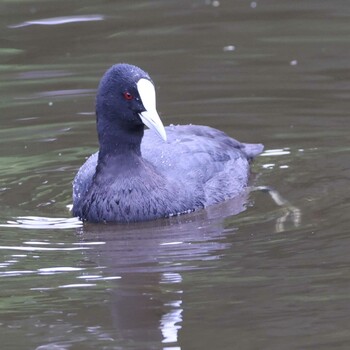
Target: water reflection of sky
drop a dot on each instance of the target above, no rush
(170, 323)
(59, 20)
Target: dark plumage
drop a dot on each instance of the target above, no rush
(130, 180)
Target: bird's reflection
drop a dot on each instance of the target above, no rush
(147, 261)
(146, 303)
(170, 322)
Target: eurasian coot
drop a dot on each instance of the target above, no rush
(161, 172)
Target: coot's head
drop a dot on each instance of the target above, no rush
(125, 102)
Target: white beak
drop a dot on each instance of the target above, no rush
(150, 116)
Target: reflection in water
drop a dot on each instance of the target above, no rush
(273, 153)
(287, 210)
(170, 322)
(146, 303)
(35, 222)
(140, 268)
(137, 267)
(75, 92)
(59, 20)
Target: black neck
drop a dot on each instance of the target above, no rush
(120, 141)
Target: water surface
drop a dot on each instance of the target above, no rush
(241, 275)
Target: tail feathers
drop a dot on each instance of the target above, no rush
(252, 149)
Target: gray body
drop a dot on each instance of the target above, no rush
(197, 166)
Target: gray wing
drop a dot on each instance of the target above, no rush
(194, 150)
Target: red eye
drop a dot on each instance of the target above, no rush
(128, 96)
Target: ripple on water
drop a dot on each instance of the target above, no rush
(59, 20)
(39, 222)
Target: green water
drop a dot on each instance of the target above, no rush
(275, 72)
